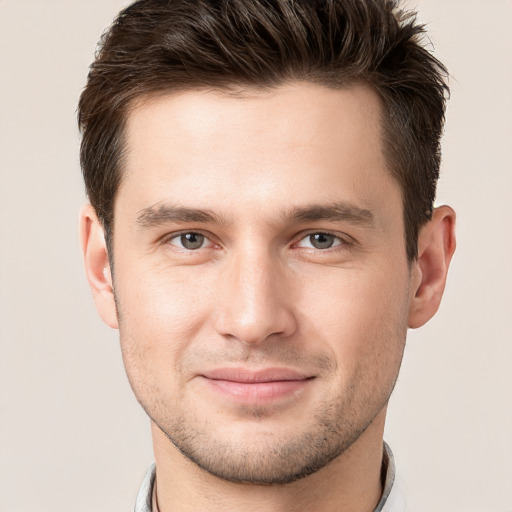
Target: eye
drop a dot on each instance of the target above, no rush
(190, 241)
(320, 241)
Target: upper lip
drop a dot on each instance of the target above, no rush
(255, 376)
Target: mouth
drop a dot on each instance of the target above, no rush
(256, 387)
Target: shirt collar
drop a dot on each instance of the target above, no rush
(145, 495)
(388, 477)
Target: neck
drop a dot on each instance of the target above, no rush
(351, 482)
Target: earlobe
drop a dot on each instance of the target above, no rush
(96, 263)
(436, 245)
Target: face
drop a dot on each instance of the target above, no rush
(261, 279)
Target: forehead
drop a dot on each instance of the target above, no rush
(286, 146)
(288, 114)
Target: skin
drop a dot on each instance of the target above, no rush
(251, 178)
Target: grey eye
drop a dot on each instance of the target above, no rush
(322, 240)
(191, 241)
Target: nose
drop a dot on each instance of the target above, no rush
(255, 303)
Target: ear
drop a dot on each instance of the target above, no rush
(436, 245)
(97, 265)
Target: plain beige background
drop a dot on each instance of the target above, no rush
(72, 437)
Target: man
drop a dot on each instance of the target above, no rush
(262, 232)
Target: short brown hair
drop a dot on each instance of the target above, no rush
(170, 45)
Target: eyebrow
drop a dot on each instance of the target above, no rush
(159, 214)
(333, 212)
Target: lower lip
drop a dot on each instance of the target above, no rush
(257, 392)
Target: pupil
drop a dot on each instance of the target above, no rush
(192, 240)
(321, 240)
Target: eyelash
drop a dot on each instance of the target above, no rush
(341, 242)
(168, 239)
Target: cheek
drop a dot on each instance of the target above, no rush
(159, 314)
(362, 317)
(163, 302)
